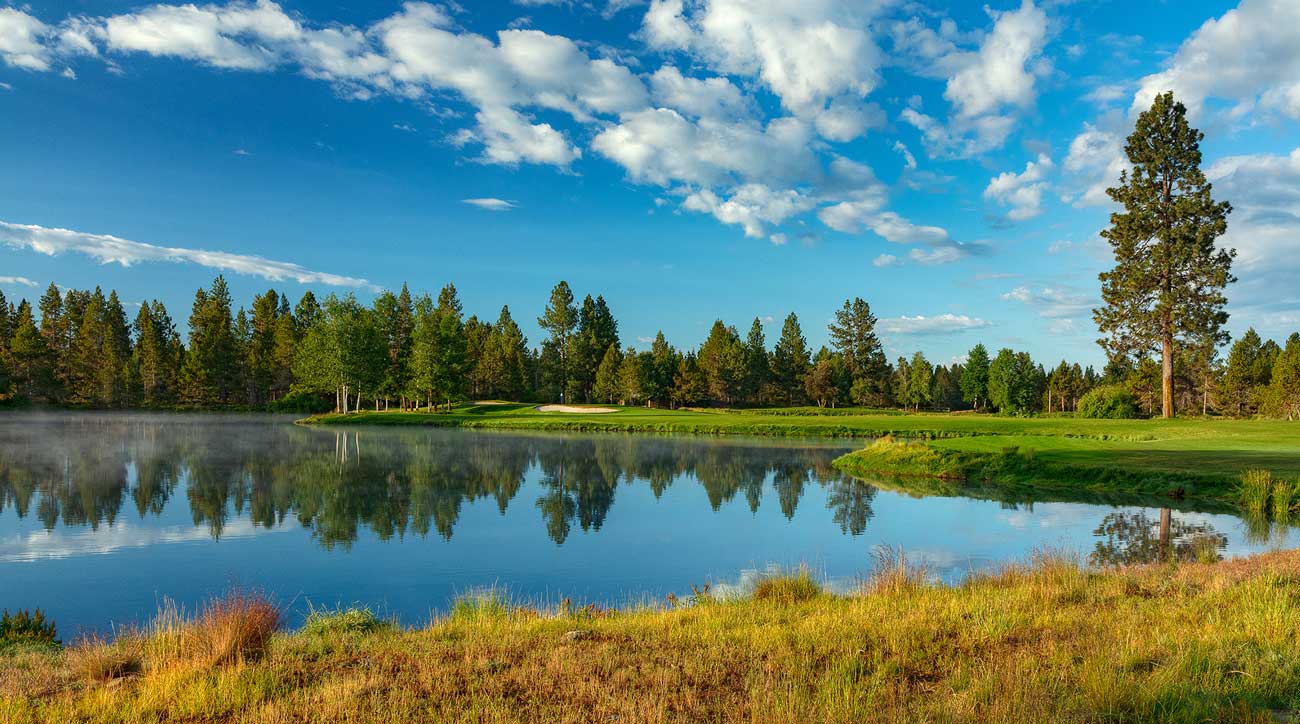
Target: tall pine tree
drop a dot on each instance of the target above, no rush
(1166, 289)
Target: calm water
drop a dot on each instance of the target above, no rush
(101, 516)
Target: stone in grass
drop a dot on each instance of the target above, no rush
(577, 635)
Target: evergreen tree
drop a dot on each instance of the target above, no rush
(260, 351)
(975, 377)
(1249, 368)
(449, 361)
(630, 388)
(947, 392)
(286, 348)
(559, 320)
(757, 369)
(1283, 399)
(32, 363)
(209, 374)
(689, 383)
(657, 374)
(156, 355)
(607, 388)
(508, 349)
(853, 335)
(1166, 289)
(790, 361)
(722, 360)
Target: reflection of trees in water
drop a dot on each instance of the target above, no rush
(1134, 537)
(79, 470)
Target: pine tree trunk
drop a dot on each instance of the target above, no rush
(1167, 383)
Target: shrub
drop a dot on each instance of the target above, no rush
(1108, 402)
(26, 628)
(343, 620)
(301, 401)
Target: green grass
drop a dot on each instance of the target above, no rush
(1047, 642)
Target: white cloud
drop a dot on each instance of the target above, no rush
(698, 97)
(1054, 302)
(1096, 158)
(940, 324)
(935, 256)
(885, 260)
(909, 160)
(1264, 228)
(660, 146)
(1249, 56)
(986, 88)
(811, 54)
(1023, 192)
(752, 206)
(22, 40)
(490, 204)
(892, 227)
(18, 280)
(111, 249)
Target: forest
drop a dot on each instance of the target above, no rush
(76, 348)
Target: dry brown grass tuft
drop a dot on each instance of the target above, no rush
(892, 574)
(94, 659)
(235, 628)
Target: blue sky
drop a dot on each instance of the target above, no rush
(686, 159)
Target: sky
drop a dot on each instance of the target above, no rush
(687, 159)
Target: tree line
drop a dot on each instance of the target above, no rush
(402, 351)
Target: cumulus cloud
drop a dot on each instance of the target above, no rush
(752, 206)
(1264, 228)
(23, 41)
(661, 146)
(1023, 191)
(812, 55)
(490, 204)
(1096, 159)
(986, 87)
(940, 324)
(698, 97)
(113, 250)
(1249, 56)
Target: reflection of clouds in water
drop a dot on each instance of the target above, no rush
(1051, 515)
(44, 545)
(744, 584)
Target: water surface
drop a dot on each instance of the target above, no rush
(104, 515)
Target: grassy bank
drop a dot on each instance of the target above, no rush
(1049, 642)
(1190, 458)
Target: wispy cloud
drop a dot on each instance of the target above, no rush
(18, 280)
(111, 249)
(940, 324)
(490, 204)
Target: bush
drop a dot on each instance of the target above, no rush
(26, 629)
(344, 620)
(1108, 402)
(300, 401)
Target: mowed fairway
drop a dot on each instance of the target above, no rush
(1197, 447)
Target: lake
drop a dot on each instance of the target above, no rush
(103, 516)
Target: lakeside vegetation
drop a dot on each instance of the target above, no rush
(1045, 642)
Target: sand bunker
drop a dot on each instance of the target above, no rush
(576, 410)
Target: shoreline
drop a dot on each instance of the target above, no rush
(1050, 640)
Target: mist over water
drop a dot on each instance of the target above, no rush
(103, 515)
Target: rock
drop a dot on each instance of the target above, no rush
(577, 635)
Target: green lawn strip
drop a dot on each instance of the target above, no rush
(797, 422)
